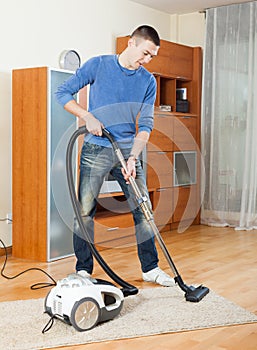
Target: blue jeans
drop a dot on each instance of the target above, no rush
(96, 162)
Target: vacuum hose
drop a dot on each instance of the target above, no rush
(127, 288)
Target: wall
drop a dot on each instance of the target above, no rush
(191, 29)
(188, 29)
(35, 32)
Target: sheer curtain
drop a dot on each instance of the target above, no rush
(229, 117)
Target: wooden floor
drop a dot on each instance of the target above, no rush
(222, 259)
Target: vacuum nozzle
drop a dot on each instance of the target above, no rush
(196, 294)
(192, 293)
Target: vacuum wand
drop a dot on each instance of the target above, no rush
(193, 294)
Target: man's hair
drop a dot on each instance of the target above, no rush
(148, 33)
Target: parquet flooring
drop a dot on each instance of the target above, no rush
(223, 259)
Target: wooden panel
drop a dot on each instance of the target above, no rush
(29, 156)
(197, 80)
(158, 91)
(114, 230)
(173, 59)
(121, 43)
(163, 206)
(159, 169)
(161, 137)
(187, 204)
(185, 133)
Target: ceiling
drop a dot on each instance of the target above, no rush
(185, 6)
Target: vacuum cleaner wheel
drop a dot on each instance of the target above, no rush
(85, 314)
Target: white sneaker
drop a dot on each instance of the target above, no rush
(85, 274)
(158, 276)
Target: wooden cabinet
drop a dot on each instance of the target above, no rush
(173, 151)
(42, 211)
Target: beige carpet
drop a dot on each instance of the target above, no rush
(152, 311)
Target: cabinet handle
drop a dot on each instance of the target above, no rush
(186, 117)
(161, 152)
(113, 228)
(161, 189)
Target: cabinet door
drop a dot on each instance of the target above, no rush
(186, 203)
(159, 169)
(61, 126)
(161, 138)
(163, 206)
(113, 231)
(185, 133)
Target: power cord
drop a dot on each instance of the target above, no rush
(6, 219)
(34, 286)
(50, 323)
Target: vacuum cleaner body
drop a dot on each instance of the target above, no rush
(83, 302)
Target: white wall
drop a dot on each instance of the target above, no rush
(35, 32)
(188, 29)
(191, 29)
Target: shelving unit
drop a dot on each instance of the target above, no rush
(42, 210)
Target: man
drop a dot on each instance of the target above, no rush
(120, 90)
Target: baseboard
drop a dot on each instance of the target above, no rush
(8, 249)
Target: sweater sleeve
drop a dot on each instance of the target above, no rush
(84, 75)
(145, 120)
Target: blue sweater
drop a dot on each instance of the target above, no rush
(116, 97)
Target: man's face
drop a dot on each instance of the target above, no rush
(141, 52)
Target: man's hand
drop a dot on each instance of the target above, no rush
(94, 126)
(131, 167)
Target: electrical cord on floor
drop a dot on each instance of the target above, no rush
(34, 286)
(6, 219)
(50, 323)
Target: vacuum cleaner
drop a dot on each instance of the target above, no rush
(83, 302)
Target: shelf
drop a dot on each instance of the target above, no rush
(110, 194)
(165, 76)
(158, 111)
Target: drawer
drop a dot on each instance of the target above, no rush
(185, 133)
(161, 138)
(163, 206)
(114, 231)
(186, 203)
(159, 169)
